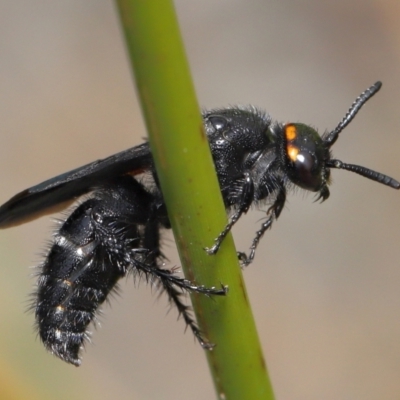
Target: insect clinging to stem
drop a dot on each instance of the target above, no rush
(115, 230)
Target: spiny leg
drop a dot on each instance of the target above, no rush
(219, 239)
(185, 310)
(170, 282)
(273, 213)
(246, 198)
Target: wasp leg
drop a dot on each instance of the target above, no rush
(245, 200)
(170, 284)
(273, 213)
(173, 285)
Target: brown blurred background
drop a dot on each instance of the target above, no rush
(325, 286)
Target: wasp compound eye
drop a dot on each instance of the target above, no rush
(305, 155)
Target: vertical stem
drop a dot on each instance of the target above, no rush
(191, 191)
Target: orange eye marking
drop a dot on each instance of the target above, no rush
(292, 152)
(290, 132)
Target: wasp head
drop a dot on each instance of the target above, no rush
(308, 156)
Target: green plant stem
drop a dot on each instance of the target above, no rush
(191, 191)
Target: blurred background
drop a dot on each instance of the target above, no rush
(325, 285)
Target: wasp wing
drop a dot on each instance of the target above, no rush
(43, 198)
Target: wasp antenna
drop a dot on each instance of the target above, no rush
(331, 138)
(366, 172)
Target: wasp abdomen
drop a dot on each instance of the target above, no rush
(89, 255)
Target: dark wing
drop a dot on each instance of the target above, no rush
(35, 201)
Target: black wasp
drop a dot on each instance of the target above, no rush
(115, 230)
